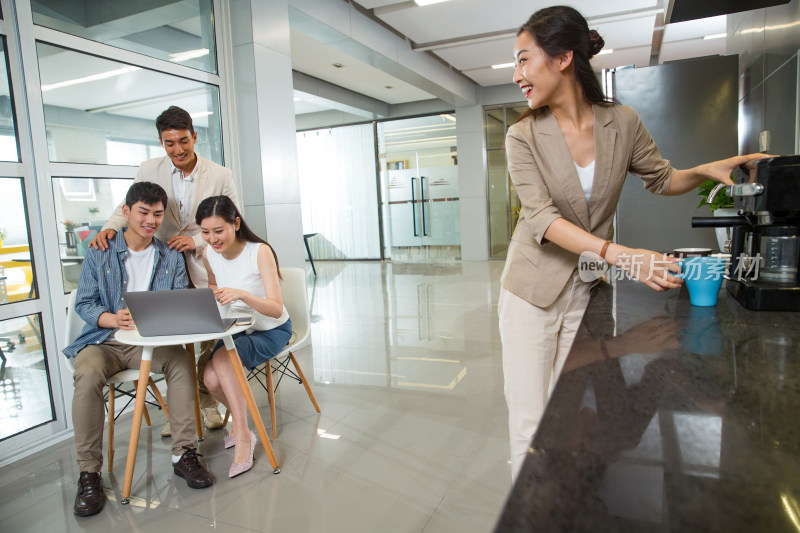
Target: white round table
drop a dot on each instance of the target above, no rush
(132, 337)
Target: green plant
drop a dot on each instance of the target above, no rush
(721, 199)
(3, 233)
(94, 210)
(69, 225)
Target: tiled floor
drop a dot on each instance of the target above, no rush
(412, 436)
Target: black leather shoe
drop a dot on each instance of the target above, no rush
(90, 498)
(189, 468)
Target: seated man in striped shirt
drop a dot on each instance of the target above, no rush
(135, 261)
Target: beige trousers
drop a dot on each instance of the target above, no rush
(95, 363)
(536, 342)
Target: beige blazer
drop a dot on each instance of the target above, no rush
(543, 172)
(212, 180)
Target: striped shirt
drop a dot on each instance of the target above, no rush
(103, 280)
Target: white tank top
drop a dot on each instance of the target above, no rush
(586, 175)
(242, 273)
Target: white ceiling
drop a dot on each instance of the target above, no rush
(317, 59)
(473, 35)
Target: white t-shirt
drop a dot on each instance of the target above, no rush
(242, 273)
(586, 175)
(139, 266)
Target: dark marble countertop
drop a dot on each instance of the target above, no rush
(690, 423)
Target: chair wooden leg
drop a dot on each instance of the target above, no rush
(271, 399)
(159, 398)
(305, 382)
(225, 420)
(111, 394)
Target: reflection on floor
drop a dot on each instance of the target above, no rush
(24, 388)
(412, 436)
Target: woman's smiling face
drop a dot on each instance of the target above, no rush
(218, 233)
(535, 72)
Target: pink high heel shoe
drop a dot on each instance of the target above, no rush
(230, 440)
(241, 468)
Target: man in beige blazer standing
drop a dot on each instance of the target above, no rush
(188, 179)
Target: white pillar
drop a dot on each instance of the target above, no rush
(267, 147)
(472, 183)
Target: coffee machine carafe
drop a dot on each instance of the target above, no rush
(765, 245)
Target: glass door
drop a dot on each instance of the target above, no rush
(419, 177)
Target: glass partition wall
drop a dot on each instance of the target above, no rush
(504, 203)
(86, 80)
(418, 162)
(382, 190)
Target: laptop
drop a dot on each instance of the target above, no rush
(176, 312)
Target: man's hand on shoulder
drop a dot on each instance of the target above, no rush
(182, 243)
(100, 241)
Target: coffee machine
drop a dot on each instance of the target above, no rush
(765, 237)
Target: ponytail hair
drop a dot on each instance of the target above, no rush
(560, 29)
(223, 207)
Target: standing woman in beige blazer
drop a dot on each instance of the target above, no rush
(568, 157)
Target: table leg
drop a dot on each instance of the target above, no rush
(141, 391)
(251, 402)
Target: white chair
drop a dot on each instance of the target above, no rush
(74, 327)
(293, 290)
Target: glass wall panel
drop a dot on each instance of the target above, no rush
(103, 112)
(339, 192)
(82, 207)
(16, 268)
(495, 128)
(8, 130)
(25, 399)
(504, 202)
(419, 177)
(182, 32)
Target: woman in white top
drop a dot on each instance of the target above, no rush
(243, 272)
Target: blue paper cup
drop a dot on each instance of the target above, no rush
(703, 278)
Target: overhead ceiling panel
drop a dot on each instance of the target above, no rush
(450, 20)
(694, 29)
(627, 33)
(316, 59)
(488, 76)
(478, 55)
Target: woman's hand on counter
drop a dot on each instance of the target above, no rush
(654, 269)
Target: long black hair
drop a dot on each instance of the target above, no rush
(223, 207)
(559, 29)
